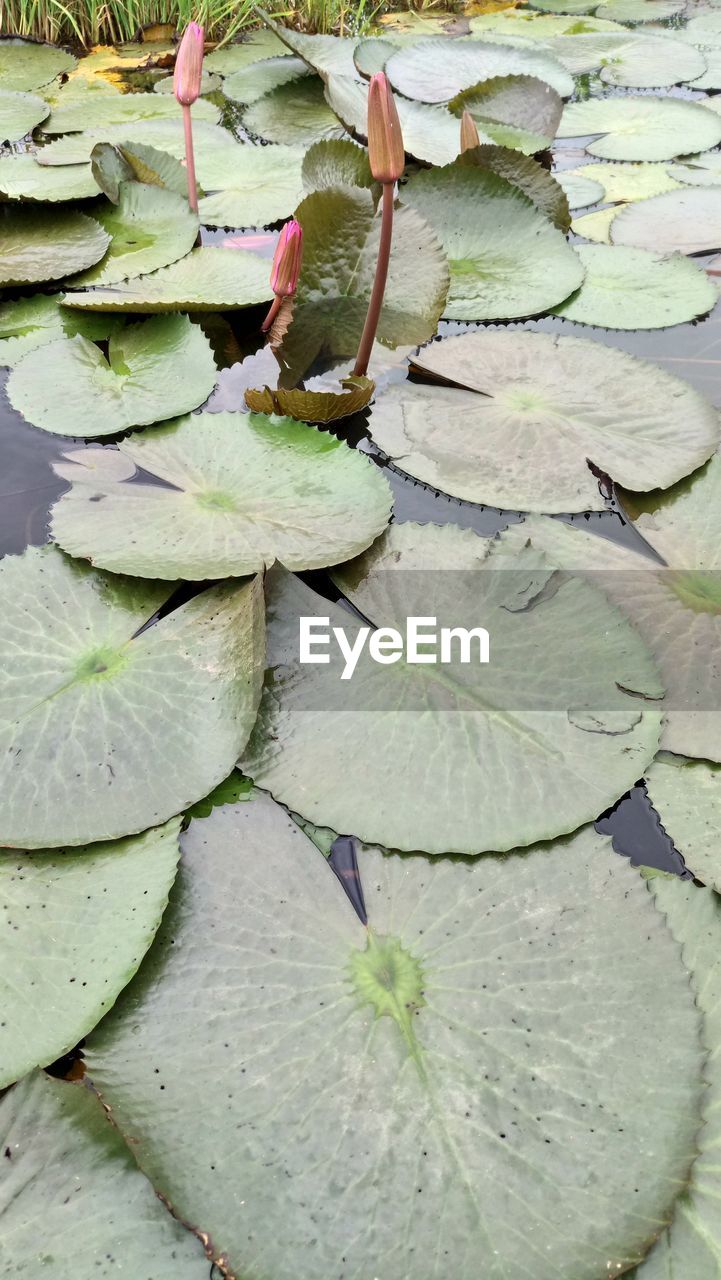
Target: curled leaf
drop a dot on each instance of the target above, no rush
(313, 406)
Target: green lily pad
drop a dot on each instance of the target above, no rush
(479, 1067)
(580, 190)
(568, 7)
(22, 178)
(630, 181)
(687, 797)
(370, 56)
(635, 289)
(430, 133)
(505, 258)
(19, 114)
(641, 128)
(335, 163)
(596, 226)
(24, 64)
(691, 1244)
(529, 176)
(640, 10)
(89, 702)
(112, 165)
(47, 244)
(32, 322)
(340, 248)
(630, 59)
(684, 221)
(538, 26)
(163, 135)
(207, 279)
(121, 108)
(65, 1166)
(528, 110)
(697, 171)
(522, 415)
(711, 78)
(263, 187)
(149, 228)
(324, 54)
(247, 490)
(256, 47)
(78, 923)
(70, 388)
(437, 69)
(295, 113)
(210, 82)
(471, 737)
(259, 78)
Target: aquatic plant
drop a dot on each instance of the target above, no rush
(187, 79)
(286, 269)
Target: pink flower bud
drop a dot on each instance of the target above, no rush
(469, 132)
(189, 66)
(385, 140)
(287, 259)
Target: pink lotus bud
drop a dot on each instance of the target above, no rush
(385, 140)
(287, 259)
(469, 132)
(189, 66)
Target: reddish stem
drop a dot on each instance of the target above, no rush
(379, 284)
(275, 307)
(190, 160)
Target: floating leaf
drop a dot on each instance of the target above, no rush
(324, 54)
(340, 248)
(25, 64)
(538, 26)
(550, 708)
(259, 78)
(635, 289)
(163, 135)
(107, 729)
(149, 228)
(526, 413)
(528, 110)
(77, 925)
(263, 187)
(336, 163)
(295, 113)
(430, 133)
(596, 226)
(121, 108)
(256, 47)
(632, 60)
(19, 114)
(112, 165)
(640, 10)
(210, 82)
(687, 221)
(246, 490)
(629, 181)
(641, 128)
(687, 796)
(505, 258)
(370, 56)
(486, 1075)
(580, 190)
(207, 279)
(73, 1196)
(529, 176)
(436, 70)
(22, 178)
(313, 405)
(697, 171)
(70, 388)
(32, 322)
(47, 244)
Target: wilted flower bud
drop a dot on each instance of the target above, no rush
(287, 259)
(385, 140)
(469, 132)
(189, 66)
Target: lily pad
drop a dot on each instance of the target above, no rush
(437, 69)
(73, 1196)
(640, 10)
(70, 388)
(524, 415)
(112, 165)
(635, 289)
(474, 1068)
(32, 322)
(505, 258)
(163, 135)
(529, 176)
(22, 178)
(430, 133)
(336, 163)
(313, 405)
(687, 797)
(25, 64)
(259, 78)
(149, 227)
(340, 248)
(538, 26)
(90, 702)
(596, 226)
(697, 171)
(210, 82)
(77, 925)
(19, 114)
(580, 190)
(295, 113)
(544, 713)
(47, 244)
(207, 279)
(528, 110)
(264, 186)
(255, 47)
(630, 181)
(684, 221)
(246, 490)
(641, 128)
(324, 54)
(121, 108)
(632, 60)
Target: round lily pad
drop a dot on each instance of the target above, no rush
(687, 797)
(25, 64)
(22, 178)
(596, 226)
(526, 414)
(255, 47)
(505, 258)
(464, 1026)
(164, 135)
(636, 289)
(32, 322)
(207, 279)
(263, 186)
(687, 221)
(47, 244)
(91, 701)
(66, 1166)
(246, 490)
(72, 389)
(77, 923)
(295, 113)
(336, 163)
(210, 82)
(19, 114)
(580, 190)
(641, 127)
(472, 736)
(697, 171)
(101, 110)
(149, 227)
(258, 78)
(640, 10)
(437, 69)
(518, 111)
(629, 181)
(631, 59)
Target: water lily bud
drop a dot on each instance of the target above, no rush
(189, 66)
(385, 140)
(469, 132)
(287, 259)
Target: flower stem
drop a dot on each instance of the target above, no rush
(190, 160)
(274, 309)
(379, 284)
